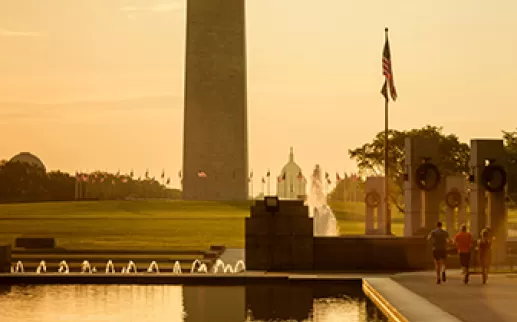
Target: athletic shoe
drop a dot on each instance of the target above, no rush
(444, 277)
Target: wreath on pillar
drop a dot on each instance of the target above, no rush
(373, 199)
(453, 198)
(494, 178)
(427, 176)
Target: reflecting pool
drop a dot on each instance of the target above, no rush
(256, 302)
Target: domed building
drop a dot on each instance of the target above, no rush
(30, 158)
(291, 184)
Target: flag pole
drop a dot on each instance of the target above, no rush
(268, 183)
(387, 213)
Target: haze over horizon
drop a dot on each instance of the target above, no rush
(98, 84)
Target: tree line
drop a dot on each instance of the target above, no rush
(24, 182)
(455, 157)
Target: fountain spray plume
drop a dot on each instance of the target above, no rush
(317, 197)
(325, 223)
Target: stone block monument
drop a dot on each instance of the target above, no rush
(279, 235)
(423, 187)
(488, 193)
(456, 202)
(5, 258)
(374, 218)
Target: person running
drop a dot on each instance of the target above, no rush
(485, 253)
(464, 241)
(439, 239)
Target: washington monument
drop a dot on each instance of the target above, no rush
(215, 146)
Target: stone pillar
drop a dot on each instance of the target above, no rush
(485, 155)
(5, 259)
(455, 200)
(374, 189)
(418, 221)
(279, 241)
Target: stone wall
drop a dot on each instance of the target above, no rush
(371, 253)
(280, 241)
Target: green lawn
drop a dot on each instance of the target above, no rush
(150, 224)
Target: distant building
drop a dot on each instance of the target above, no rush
(29, 158)
(291, 184)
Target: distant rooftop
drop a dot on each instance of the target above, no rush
(28, 158)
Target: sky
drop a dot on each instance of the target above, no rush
(98, 84)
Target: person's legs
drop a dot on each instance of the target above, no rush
(437, 266)
(465, 263)
(444, 266)
(484, 263)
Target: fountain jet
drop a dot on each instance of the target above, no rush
(153, 267)
(41, 267)
(110, 267)
(85, 267)
(63, 266)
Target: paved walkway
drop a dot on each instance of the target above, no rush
(496, 301)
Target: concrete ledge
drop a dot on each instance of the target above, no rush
(401, 305)
(175, 279)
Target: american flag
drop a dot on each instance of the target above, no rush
(387, 71)
(163, 174)
(268, 173)
(201, 174)
(263, 180)
(168, 181)
(338, 178)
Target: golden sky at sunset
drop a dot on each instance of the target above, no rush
(314, 76)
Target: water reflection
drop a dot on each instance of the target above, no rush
(88, 303)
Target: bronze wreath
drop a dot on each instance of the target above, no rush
(424, 176)
(372, 199)
(489, 178)
(453, 199)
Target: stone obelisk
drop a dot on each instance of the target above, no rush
(215, 139)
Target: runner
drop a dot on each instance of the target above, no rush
(439, 239)
(464, 241)
(485, 253)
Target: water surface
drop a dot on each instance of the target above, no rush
(125, 303)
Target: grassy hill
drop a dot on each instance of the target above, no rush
(148, 223)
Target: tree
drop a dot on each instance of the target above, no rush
(510, 145)
(455, 156)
